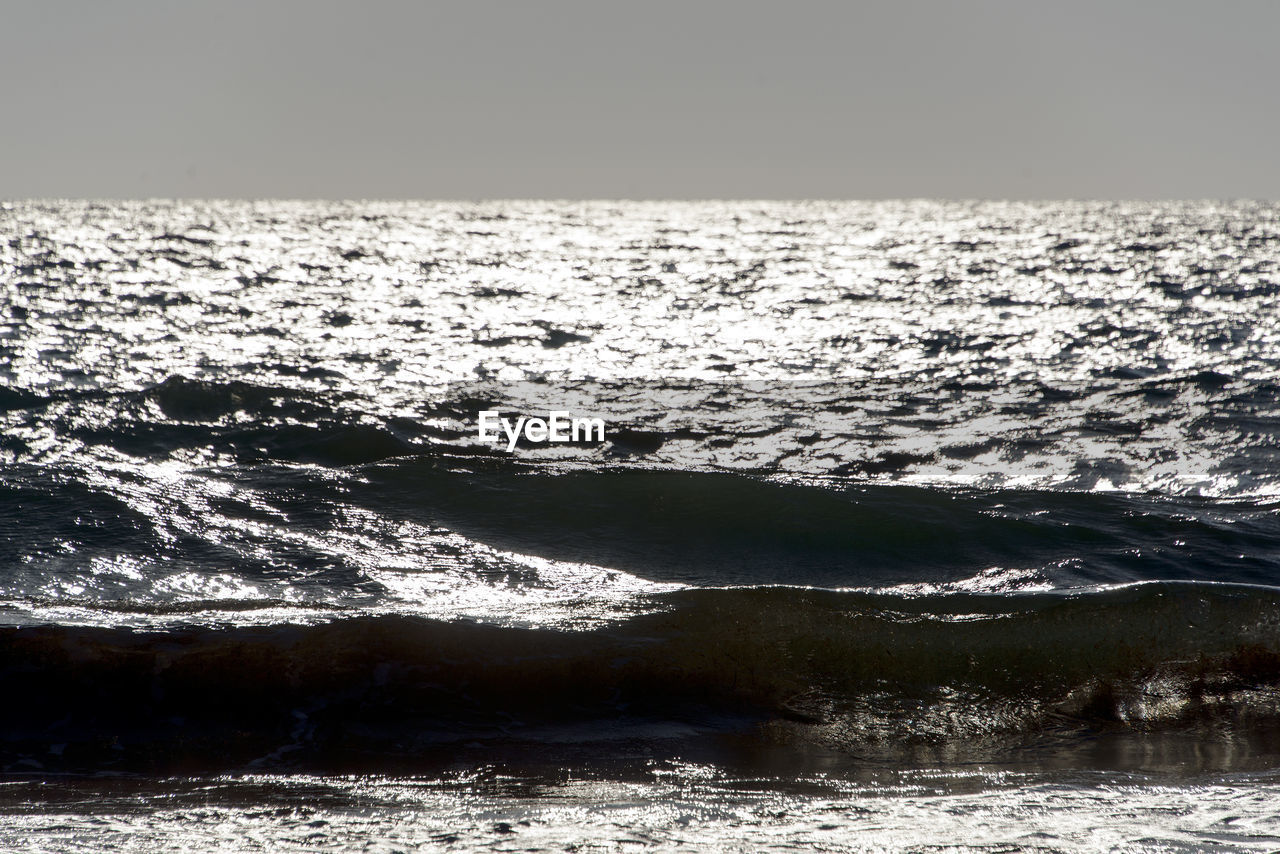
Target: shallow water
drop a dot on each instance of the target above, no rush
(674, 807)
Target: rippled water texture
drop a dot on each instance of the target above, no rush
(915, 525)
(673, 808)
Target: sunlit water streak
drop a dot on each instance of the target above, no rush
(677, 808)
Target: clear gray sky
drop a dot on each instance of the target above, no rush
(715, 99)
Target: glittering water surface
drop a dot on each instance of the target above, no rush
(677, 807)
(917, 487)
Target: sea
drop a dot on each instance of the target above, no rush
(908, 526)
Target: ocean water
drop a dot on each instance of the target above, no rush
(914, 526)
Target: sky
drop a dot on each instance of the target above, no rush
(726, 99)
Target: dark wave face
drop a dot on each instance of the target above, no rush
(861, 675)
(910, 483)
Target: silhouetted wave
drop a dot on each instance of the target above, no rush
(864, 672)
